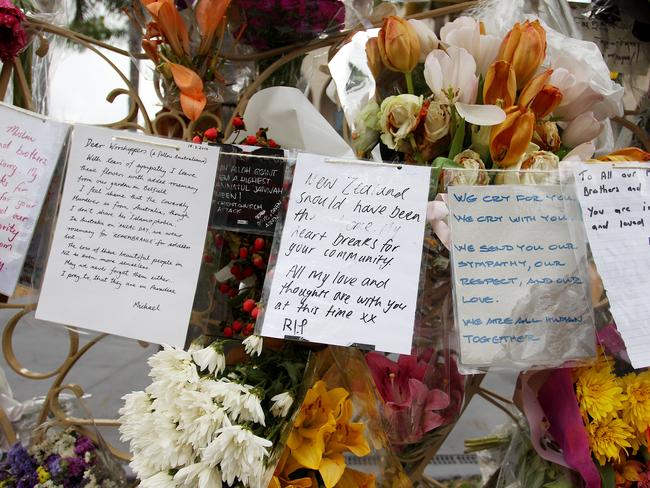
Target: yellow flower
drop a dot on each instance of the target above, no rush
(598, 391)
(43, 474)
(637, 406)
(608, 437)
(356, 479)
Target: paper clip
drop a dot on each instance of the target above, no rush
(146, 141)
(362, 161)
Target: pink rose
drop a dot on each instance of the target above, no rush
(13, 37)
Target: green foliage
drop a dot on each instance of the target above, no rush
(89, 18)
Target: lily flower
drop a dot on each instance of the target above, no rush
(451, 75)
(189, 83)
(469, 34)
(209, 14)
(525, 48)
(500, 86)
(509, 140)
(170, 23)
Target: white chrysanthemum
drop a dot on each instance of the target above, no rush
(227, 393)
(199, 418)
(251, 407)
(200, 475)
(239, 453)
(173, 365)
(136, 403)
(211, 358)
(142, 467)
(158, 480)
(253, 345)
(281, 404)
(137, 429)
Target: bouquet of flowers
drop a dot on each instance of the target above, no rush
(185, 47)
(598, 415)
(63, 459)
(476, 100)
(337, 423)
(203, 422)
(268, 24)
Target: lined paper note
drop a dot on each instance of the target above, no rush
(129, 237)
(616, 209)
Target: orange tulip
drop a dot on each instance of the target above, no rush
(209, 14)
(533, 87)
(193, 98)
(374, 56)
(171, 24)
(509, 140)
(525, 48)
(399, 45)
(500, 86)
(627, 154)
(546, 101)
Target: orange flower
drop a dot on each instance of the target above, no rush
(193, 99)
(209, 14)
(525, 48)
(509, 139)
(627, 154)
(399, 45)
(374, 56)
(541, 98)
(170, 23)
(500, 86)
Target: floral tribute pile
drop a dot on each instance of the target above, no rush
(476, 101)
(64, 460)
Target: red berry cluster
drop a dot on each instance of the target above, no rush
(209, 135)
(251, 259)
(260, 138)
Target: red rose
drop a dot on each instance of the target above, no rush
(13, 37)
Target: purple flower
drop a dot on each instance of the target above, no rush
(19, 460)
(83, 445)
(74, 467)
(53, 464)
(29, 480)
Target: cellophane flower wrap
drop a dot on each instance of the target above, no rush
(208, 421)
(338, 430)
(59, 457)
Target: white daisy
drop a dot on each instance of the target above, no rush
(158, 480)
(239, 453)
(173, 365)
(211, 358)
(253, 345)
(281, 404)
(200, 475)
(142, 467)
(199, 417)
(251, 407)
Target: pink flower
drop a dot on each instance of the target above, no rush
(13, 37)
(417, 393)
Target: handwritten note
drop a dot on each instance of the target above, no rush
(248, 194)
(129, 238)
(616, 209)
(348, 263)
(521, 292)
(29, 149)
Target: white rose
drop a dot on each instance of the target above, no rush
(436, 122)
(398, 117)
(474, 172)
(533, 168)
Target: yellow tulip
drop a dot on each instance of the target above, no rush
(510, 139)
(627, 154)
(399, 46)
(500, 86)
(525, 48)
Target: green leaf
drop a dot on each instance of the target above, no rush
(459, 135)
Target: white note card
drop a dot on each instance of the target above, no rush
(29, 150)
(348, 264)
(616, 209)
(129, 236)
(519, 274)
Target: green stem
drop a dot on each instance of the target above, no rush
(409, 82)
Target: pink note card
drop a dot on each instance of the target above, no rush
(29, 149)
